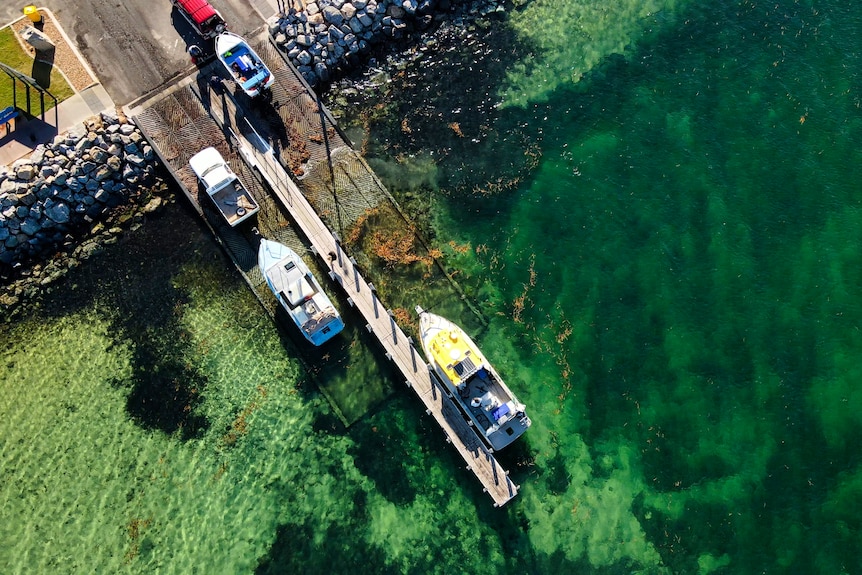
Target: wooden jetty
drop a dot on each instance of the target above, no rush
(399, 347)
(245, 143)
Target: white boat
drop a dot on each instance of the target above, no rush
(497, 415)
(298, 292)
(230, 196)
(243, 64)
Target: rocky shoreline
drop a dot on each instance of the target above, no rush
(69, 198)
(330, 37)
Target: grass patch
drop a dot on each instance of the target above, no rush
(16, 57)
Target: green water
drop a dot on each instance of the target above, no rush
(672, 277)
(693, 237)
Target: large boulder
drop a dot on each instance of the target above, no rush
(98, 154)
(103, 173)
(64, 194)
(348, 11)
(28, 197)
(59, 213)
(114, 163)
(136, 160)
(321, 71)
(304, 58)
(333, 15)
(356, 26)
(30, 226)
(25, 172)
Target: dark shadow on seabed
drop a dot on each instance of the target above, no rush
(133, 279)
(390, 448)
(294, 549)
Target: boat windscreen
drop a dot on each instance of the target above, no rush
(465, 367)
(296, 287)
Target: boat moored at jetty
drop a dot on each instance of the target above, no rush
(476, 387)
(298, 292)
(243, 64)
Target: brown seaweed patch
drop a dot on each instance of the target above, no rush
(531, 157)
(392, 242)
(135, 529)
(459, 248)
(239, 427)
(519, 303)
(354, 233)
(404, 318)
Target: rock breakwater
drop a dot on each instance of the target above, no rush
(69, 197)
(329, 37)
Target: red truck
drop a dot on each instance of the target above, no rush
(205, 19)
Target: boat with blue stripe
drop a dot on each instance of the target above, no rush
(243, 64)
(298, 292)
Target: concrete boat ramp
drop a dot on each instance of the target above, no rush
(291, 156)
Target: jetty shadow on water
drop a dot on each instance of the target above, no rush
(351, 369)
(390, 451)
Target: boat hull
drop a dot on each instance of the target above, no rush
(476, 387)
(243, 64)
(299, 293)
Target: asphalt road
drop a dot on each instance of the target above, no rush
(136, 46)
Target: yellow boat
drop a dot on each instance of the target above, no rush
(497, 415)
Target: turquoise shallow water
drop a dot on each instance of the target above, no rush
(672, 277)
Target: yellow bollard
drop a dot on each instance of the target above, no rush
(32, 13)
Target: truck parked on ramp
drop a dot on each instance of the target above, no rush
(206, 20)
